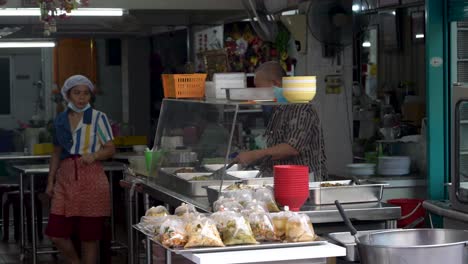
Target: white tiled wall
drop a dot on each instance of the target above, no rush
(24, 94)
(109, 82)
(335, 110)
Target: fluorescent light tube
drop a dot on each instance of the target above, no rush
(76, 12)
(356, 7)
(20, 12)
(27, 44)
(419, 36)
(366, 44)
(97, 12)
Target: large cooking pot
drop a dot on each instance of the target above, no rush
(414, 246)
(410, 246)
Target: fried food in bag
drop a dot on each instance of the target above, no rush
(172, 232)
(242, 196)
(262, 226)
(185, 209)
(234, 228)
(202, 232)
(152, 224)
(299, 229)
(227, 204)
(265, 194)
(256, 206)
(157, 211)
(279, 222)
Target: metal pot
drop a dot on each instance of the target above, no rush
(411, 246)
(424, 246)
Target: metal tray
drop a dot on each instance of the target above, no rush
(181, 184)
(262, 245)
(247, 94)
(367, 191)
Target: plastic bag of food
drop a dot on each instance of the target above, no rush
(151, 224)
(202, 232)
(279, 222)
(299, 229)
(256, 206)
(238, 186)
(262, 226)
(157, 211)
(234, 228)
(185, 209)
(172, 232)
(243, 196)
(265, 194)
(226, 204)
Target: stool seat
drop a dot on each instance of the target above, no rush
(13, 199)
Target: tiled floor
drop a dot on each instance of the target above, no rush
(10, 253)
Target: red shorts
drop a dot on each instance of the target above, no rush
(85, 228)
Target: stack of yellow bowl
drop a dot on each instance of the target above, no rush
(299, 89)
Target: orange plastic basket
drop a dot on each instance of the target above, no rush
(184, 85)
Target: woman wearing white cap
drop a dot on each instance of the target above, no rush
(77, 183)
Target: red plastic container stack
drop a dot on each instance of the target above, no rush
(291, 185)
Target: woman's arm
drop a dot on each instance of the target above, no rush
(53, 167)
(106, 151)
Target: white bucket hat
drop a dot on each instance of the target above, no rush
(74, 81)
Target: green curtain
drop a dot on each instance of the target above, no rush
(457, 10)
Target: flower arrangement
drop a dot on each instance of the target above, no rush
(51, 10)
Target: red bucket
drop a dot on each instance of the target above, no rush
(411, 210)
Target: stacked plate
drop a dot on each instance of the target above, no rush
(394, 165)
(291, 184)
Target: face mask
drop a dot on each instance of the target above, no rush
(279, 95)
(76, 109)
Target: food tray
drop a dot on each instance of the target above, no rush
(367, 191)
(214, 167)
(262, 245)
(250, 94)
(181, 183)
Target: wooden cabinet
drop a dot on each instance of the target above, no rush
(74, 56)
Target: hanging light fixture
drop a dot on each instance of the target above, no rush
(50, 11)
(27, 43)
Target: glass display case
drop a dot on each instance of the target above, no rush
(196, 138)
(459, 174)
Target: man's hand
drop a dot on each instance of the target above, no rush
(248, 157)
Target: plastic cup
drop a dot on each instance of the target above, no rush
(153, 160)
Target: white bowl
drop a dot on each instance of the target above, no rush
(139, 148)
(361, 169)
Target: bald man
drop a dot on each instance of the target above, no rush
(269, 74)
(293, 134)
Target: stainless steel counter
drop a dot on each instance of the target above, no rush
(44, 168)
(374, 211)
(385, 215)
(21, 156)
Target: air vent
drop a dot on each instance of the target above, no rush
(462, 69)
(462, 24)
(462, 39)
